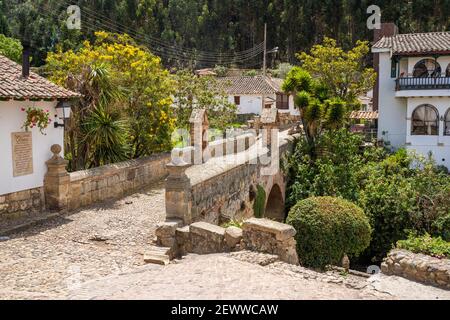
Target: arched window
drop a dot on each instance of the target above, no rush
(426, 68)
(425, 121)
(447, 123)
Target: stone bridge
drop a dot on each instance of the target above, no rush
(230, 177)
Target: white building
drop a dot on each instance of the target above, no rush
(247, 93)
(413, 91)
(23, 154)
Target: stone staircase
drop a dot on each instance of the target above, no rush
(259, 235)
(158, 255)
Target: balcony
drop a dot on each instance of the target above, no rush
(430, 83)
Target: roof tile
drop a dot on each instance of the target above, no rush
(416, 43)
(250, 85)
(14, 86)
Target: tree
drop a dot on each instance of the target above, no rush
(11, 48)
(117, 74)
(202, 93)
(342, 72)
(318, 112)
(219, 26)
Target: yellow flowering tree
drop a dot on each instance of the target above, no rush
(137, 88)
(344, 73)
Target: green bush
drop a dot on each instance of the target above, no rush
(426, 244)
(332, 173)
(327, 229)
(398, 199)
(388, 202)
(260, 202)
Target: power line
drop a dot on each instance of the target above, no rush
(168, 51)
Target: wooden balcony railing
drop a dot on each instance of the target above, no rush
(423, 83)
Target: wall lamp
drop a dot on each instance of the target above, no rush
(63, 111)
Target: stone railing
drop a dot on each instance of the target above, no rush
(215, 149)
(64, 191)
(220, 189)
(113, 181)
(418, 267)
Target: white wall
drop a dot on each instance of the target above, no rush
(11, 120)
(392, 110)
(438, 145)
(253, 104)
(249, 104)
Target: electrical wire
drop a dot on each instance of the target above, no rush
(166, 50)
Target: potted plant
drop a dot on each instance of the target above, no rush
(36, 117)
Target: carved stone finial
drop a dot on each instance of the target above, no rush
(56, 149)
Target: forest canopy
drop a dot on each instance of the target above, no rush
(215, 25)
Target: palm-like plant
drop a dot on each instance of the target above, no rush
(106, 135)
(96, 84)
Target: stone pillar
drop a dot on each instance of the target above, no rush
(268, 131)
(56, 181)
(178, 192)
(257, 124)
(199, 126)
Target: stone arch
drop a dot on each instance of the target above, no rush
(275, 209)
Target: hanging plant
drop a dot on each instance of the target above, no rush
(36, 117)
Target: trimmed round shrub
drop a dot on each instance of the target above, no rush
(327, 229)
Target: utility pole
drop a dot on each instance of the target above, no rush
(264, 63)
(265, 49)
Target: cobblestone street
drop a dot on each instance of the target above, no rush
(97, 253)
(45, 260)
(231, 276)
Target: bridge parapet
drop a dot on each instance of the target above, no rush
(221, 188)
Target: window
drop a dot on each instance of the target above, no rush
(282, 101)
(427, 68)
(447, 123)
(393, 68)
(425, 121)
(237, 100)
(447, 71)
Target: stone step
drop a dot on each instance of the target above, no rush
(157, 255)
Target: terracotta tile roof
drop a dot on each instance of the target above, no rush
(250, 85)
(366, 115)
(416, 43)
(14, 86)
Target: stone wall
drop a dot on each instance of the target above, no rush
(22, 204)
(113, 181)
(260, 235)
(69, 191)
(418, 267)
(271, 237)
(226, 196)
(224, 188)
